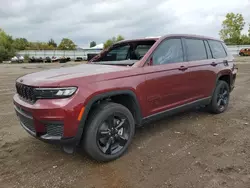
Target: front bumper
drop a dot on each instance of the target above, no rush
(52, 125)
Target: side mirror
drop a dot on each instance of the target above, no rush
(150, 62)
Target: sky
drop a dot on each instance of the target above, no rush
(86, 20)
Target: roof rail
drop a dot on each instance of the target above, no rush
(153, 37)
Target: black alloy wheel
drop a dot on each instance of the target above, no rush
(113, 134)
(220, 98)
(109, 131)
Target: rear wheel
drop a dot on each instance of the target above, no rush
(109, 131)
(220, 99)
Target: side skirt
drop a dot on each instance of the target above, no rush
(172, 111)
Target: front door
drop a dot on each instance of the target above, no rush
(166, 77)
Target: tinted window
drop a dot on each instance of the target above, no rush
(209, 54)
(195, 49)
(117, 54)
(217, 49)
(141, 50)
(169, 51)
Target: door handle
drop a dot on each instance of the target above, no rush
(183, 68)
(214, 64)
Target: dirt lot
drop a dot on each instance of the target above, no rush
(194, 149)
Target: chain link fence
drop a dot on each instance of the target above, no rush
(72, 54)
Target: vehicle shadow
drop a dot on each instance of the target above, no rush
(142, 134)
(170, 121)
(146, 131)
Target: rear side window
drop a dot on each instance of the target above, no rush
(169, 51)
(209, 54)
(117, 54)
(217, 49)
(141, 49)
(195, 50)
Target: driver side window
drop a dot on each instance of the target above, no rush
(169, 51)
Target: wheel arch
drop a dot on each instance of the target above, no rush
(225, 76)
(131, 103)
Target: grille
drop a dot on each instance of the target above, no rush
(28, 123)
(55, 129)
(26, 92)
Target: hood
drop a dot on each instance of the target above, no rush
(55, 76)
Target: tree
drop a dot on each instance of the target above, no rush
(45, 46)
(119, 38)
(20, 43)
(32, 46)
(113, 40)
(67, 44)
(232, 27)
(245, 40)
(52, 43)
(6, 46)
(92, 44)
(108, 43)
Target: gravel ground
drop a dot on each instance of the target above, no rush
(193, 149)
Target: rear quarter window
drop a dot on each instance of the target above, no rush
(217, 49)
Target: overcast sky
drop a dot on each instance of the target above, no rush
(87, 20)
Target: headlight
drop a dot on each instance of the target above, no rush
(53, 93)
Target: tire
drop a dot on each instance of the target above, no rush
(98, 132)
(220, 98)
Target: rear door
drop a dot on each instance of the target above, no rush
(202, 74)
(222, 59)
(166, 77)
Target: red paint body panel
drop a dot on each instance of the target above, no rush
(157, 88)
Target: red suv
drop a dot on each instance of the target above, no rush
(98, 105)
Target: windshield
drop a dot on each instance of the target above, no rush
(125, 53)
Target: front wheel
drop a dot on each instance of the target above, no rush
(220, 98)
(109, 131)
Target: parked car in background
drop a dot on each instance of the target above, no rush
(98, 105)
(36, 60)
(64, 59)
(54, 59)
(244, 52)
(47, 60)
(18, 59)
(78, 59)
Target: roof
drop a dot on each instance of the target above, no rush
(192, 36)
(170, 35)
(139, 39)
